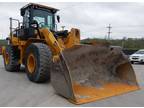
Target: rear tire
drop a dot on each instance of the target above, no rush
(38, 62)
(11, 58)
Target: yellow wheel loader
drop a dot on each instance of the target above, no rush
(81, 73)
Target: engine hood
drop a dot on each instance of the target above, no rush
(139, 55)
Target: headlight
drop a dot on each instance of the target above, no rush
(142, 57)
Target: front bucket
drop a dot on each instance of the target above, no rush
(88, 73)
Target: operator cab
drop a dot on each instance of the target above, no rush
(44, 16)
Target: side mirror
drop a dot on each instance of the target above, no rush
(58, 18)
(34, 24)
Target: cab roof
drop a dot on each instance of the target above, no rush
(39, 6)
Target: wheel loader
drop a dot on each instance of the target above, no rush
(81, 73)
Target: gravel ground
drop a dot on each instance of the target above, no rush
(17, 90)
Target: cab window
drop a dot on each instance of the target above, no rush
(44, 19)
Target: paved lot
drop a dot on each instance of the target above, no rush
(17, 90)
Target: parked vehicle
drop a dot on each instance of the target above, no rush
(137, 56)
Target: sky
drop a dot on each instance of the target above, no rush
(126, 19)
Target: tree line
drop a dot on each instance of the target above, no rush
(129, 43)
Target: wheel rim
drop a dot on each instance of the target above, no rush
(7, 58)
(31, 63)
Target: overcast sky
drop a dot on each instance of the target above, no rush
(126, 19)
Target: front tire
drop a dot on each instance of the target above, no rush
(38, 62)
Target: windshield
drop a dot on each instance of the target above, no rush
(139, 52)
(44, 19)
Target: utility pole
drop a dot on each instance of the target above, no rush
(109, 31)
(123, 42)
